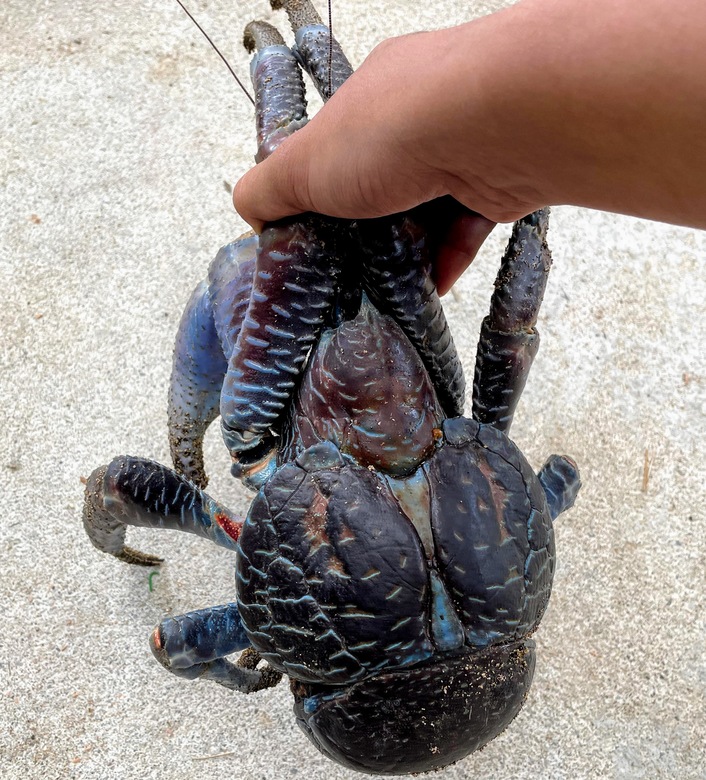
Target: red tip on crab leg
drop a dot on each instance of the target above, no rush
(195, 646)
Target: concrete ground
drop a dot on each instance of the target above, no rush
(121, 136)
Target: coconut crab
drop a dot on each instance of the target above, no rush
(397, 556)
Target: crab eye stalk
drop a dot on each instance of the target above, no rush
(420, 719)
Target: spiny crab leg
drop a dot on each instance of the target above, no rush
(314, 46)
(397, 276)
(395, 250)
(508, 339)
(294, 285)
(196, 646)
(280, 102)
(207, 334)
(139, 492)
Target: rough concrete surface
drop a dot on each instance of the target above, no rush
(121, 133)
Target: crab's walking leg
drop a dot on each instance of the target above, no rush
(561, 481)
(508, 339)
(195, 645)
(314, 46)
(139, 492)
(207, 333)
(195, 386)
(398, 280)
(295, 278)
(395, 250)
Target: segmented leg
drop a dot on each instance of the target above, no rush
(295, 279)
(134, 491)
(206, 337)
(395, 250)
(195, 645)
(397, 277)
(230, 279)
(559, 477)
(195, 385)
(313, 46)
(280, 103)
(508, 339)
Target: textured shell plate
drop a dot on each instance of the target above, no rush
(335, 560)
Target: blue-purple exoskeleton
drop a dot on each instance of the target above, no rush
(397, 556)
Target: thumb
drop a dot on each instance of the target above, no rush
(275, 188)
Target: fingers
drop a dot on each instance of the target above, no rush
(346, 162)
(327, 169)
(458, 246)
(305, 173)
(267, 191)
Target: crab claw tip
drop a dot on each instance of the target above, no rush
(137, 558)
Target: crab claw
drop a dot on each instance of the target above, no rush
(294, 285)
(139, 492)
(105, 530)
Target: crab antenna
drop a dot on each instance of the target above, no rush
(216, 49)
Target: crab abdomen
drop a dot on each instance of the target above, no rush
(366, 390)
(344, 572)
(331, 576)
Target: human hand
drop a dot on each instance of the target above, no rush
(538, 104)
(392, 156)
(457, 234)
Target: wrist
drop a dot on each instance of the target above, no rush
(600, 107)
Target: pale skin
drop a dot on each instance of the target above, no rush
(599, 104)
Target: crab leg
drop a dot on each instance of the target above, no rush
(205, 340)
(398, 279)
(314, 45)
(195, 386)
(395, 250)
(295, 279)
(139, 492)
(508, 339)
(194, 646)
(559, 477)
(280, 103)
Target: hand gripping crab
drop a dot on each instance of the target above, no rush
(397, 556)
